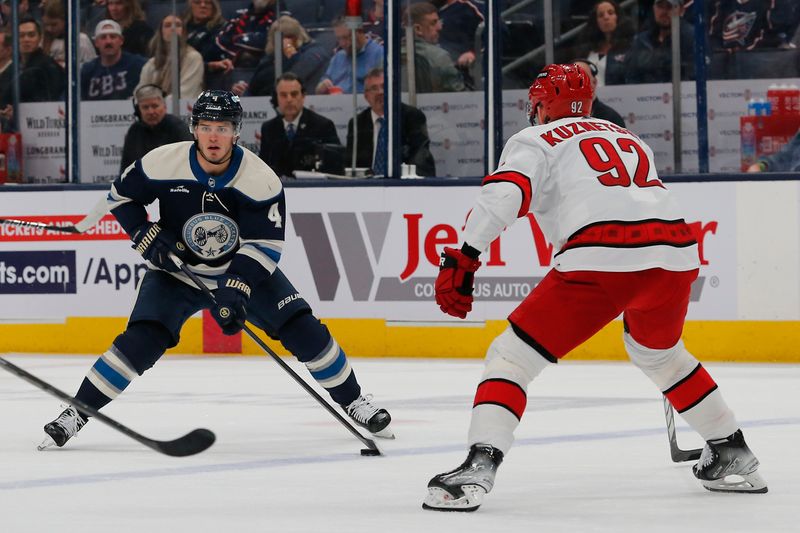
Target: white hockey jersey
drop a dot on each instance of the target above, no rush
(593, 188)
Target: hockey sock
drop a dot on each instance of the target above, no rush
(114, 370)
(110, 375)
(310, 341)
(687, 385)
(500, 400)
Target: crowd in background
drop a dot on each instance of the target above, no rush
(234, 44)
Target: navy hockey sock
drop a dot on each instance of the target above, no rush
(310, 341)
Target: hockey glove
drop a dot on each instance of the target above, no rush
(454, 283)
(230, 310)
(155, 245)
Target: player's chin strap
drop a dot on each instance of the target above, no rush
(300, 381)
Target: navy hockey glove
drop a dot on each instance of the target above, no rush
(155, 244)
(455, 280)
(230, 311)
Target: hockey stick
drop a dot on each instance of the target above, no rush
(678, 455)
(39, 225)
(372, 448)
(93, 217)
(193, 442)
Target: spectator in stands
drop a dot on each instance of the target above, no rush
(287, 141)
(131, 18)
(41, 78)
(243, 39)
(6, 73)
(433, 68)
(5, 11)
(153, 126)
(599, 109)
(460, 20)
(787, 159)
(605, 41)
(372, 145)
(202, 22)
(338, 76)
(158, 69)
(301, 55)
(375, 23)
(650, 57)
(753, 39)
(54, 21)
(114, 73)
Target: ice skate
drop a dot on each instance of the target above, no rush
(728, 465)
(463, 489)
(364, 413)
(63, 428)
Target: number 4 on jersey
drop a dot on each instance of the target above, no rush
(274, 215)
(604, 157)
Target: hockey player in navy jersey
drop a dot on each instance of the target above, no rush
(222, 212)
(623, 248)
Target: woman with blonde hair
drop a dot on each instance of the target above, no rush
(158, 69)
(135, 30)
(302, 56)
(202, 21)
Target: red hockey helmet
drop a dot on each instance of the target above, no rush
(562, 91)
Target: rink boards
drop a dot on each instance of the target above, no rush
(365, 258)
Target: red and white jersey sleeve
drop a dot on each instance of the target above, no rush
(595, 193)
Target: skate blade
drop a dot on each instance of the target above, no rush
(48, 442)
(751, 483)
(440, 500)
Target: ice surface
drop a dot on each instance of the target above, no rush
(591, 453)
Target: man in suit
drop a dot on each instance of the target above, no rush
(413, 132)
(287, 141)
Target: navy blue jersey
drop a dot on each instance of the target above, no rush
(233, 223)
(111, 83)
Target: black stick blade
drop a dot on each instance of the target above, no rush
(192, 443)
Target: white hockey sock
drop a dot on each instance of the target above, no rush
(687, 385)
(502, 393)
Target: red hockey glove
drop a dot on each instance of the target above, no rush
(454, 283)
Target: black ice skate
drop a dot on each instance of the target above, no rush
(365, 414)
(728, 465)
(463, 489)
(63, 428)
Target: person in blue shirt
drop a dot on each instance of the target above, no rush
(114, 73)
(339, 76)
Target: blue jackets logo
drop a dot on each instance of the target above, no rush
(210, 235)
(40, 272)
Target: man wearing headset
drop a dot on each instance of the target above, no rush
(222, 211)
(153, 127)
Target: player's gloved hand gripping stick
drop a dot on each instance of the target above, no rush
(224, 307)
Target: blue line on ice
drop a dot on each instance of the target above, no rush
(341, 457)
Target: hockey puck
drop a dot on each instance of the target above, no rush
(370, 451)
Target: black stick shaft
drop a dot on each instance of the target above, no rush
(300, 381)
(678, 455)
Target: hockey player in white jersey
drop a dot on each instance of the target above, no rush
(623, 248)
(222, 211)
